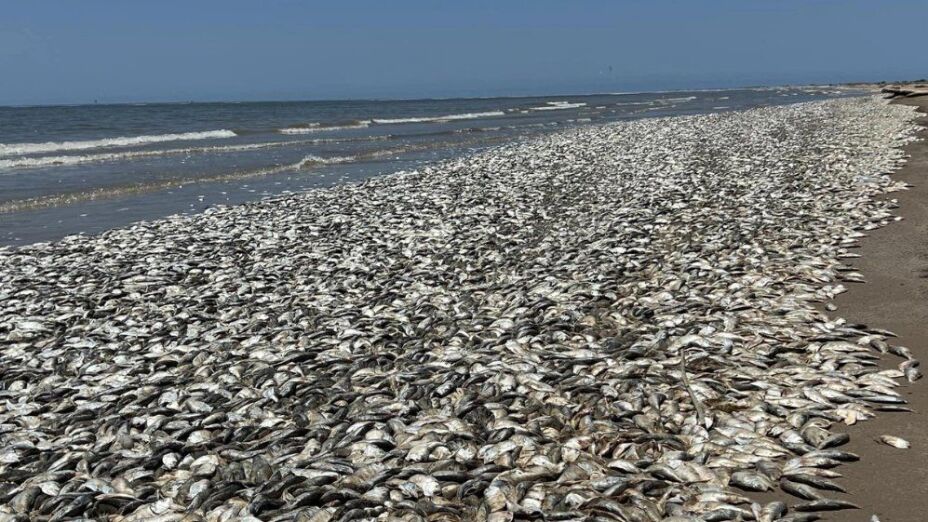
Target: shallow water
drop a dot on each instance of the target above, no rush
(71, 169)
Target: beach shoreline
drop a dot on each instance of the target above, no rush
(893, 483)
(92, 169)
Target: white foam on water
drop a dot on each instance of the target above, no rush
(315, 127)
(63, 161)
(47, 161)
(623, 104)
(16, 149)
(558, 105)
(449, 117)
(312, 159)
(676, 100)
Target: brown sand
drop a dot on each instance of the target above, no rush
(893, 483)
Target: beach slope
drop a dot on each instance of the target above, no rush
(890, 482)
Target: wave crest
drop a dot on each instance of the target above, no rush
(311, 160)
(448, 117)
(17, 149)
(315, 127)
(558, 105)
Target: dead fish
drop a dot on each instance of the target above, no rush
(816, 482)
(900, 351)
(825, 505)
(772, 511)
(607, 322)
(751, 481)
(896, 442)
(799, 490)
(911, 370)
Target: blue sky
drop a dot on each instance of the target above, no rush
(66, 51)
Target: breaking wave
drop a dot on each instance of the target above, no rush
(311, 160)
(316, 127)
(46, 161)
(449, 117)
(56, 161)
(307, 163)
(676, 100)
(16, 149)
(558, 105)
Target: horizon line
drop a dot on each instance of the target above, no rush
(439, 98)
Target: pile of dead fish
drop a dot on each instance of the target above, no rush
(607, 323)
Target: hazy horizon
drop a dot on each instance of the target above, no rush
(435, 98)
(68, 53)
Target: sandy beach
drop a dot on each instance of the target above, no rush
(890, 482)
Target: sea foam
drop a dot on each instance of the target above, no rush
(16, 149)
(449, 117)
(676, 100)
(311, 160)
(315, 127)
(46, 161)
(558, 105)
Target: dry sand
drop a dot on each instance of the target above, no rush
(893, 483)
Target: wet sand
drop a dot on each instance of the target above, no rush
(893, 483)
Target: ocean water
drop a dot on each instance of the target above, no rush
(85, 169)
